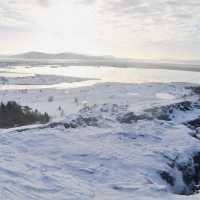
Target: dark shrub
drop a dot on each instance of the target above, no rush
(13, 115)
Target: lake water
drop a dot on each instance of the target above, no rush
(100, 74)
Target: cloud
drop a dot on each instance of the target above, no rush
(44, 2)
(20, 13)
(119, 24)
(156, 15)
(86, 2)
(12, 14)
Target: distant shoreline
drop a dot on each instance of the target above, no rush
(5, 62)
(39, 79)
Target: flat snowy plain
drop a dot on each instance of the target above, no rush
(106, 141)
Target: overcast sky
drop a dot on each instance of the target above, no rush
(152, 29)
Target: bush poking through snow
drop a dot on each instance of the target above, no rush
(50, 99)
(13, 115)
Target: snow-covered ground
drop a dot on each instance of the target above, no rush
(108, 141)
(137, 96)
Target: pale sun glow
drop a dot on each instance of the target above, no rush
(135, 29)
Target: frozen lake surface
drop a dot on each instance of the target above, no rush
(100, 74)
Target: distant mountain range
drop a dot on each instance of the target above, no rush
(82, 59)
(42, 55)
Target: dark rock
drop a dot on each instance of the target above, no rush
(54, 124)
(88, 121)
(73, 125)
(81, 121)
(193, 123)
(167, 177)
(70, 125)
(66, 125)
(195, 90)
(130, 117)
(124, 135)
(190, 171)
(166, 112)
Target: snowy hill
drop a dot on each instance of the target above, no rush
(109, 150)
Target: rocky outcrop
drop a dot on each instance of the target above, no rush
(167, 112)
(194, 125)
(186, 172)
